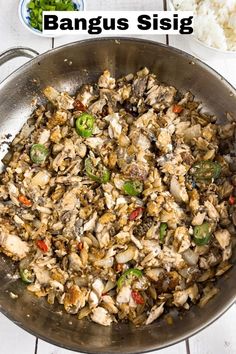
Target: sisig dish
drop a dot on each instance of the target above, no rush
(118, 203)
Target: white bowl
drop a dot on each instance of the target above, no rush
(202, 50)
(23, 12)
(206, 52)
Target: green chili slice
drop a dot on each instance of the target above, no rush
(97, 173)
(38, 153)
(84, 125)
(202, 234)
(163, 231)
(36, 7)
(128, 275)
(133, 188)
(205, 171)
(27, 276)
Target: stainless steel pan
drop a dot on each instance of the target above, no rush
(66, 68)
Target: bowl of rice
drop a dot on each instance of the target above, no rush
(214, 27)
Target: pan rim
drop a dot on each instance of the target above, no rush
(181, 52)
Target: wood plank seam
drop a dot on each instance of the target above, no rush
(165, 9)
(36, 346)
(187, 346)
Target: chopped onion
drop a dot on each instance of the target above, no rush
(109, 285)
(44, 136)
(126, 256)
(184, 272)
(209, 293)
(179, 192)
(81, 282)
(154, 273)
(41, 179)
(190, 257)
(192, 132)
(118, 183)
(105, 262)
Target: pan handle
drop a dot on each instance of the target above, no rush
(17, 52)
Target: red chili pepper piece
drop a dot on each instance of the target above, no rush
(137, 297)
(78, 105)
(231, 200)
(177, 108)
(119, 267)
(25, 201)
(42, 245)
(135, 213)
(80, 246)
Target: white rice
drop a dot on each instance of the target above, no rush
(215, 21)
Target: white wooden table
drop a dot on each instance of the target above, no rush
(220, 337)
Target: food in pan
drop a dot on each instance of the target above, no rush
(119, 202)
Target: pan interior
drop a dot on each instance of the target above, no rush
(66, 69)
